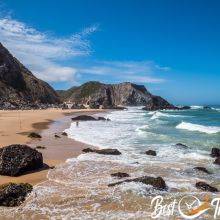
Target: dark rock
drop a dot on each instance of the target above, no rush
(52, 167)
(64, 133)
(217, 161)
(206, 187)
(120, 175)
(34, 135)
(184, 108)
(102, 119)
(207, 107)
(84, 118)
(12, 194)
(40, 147)
(179, 145)
(203, 169)
(19, 87)
(156, 182)
(215, 152)
(56, 136)
(151, 152)
(78, 106)
(158, 103)
(18, 159)
(102, 151)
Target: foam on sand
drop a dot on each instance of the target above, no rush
(197, 127)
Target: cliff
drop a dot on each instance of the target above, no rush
(18, 86)
(96, 94)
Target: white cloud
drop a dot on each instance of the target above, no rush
(43, 53)
(135, 71)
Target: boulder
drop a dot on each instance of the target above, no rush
(215, 152)
(180, 145)
(64, 133)
(102, 151)
(151, 152)
(217, 161)
(18, 159)
(202, 169)
(156, 182)
(34, 135)
(102, 119)
(120, 175)
(206, 187)
(84, 118)
(56, 136)
(12, 194)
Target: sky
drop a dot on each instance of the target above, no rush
(170, 46)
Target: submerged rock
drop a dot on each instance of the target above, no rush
(64, 133)
(156, 182)
(203, 169)
(56, 136)
(120, 175)
(103, 119)
(151, 152)
(180, 145)
(84, 118)
(217, 161)
(102, 151)
(18, 159)
(34, 135)
(215, 152)
(206, 187)
(12, 194)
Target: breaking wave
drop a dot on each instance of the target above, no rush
(197, 127)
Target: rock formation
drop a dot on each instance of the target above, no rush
(96, 95)
(19, 87)
(16, 160)
(12, 194)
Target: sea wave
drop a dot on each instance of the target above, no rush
(156, 115)
(196, 107)
(197, 127)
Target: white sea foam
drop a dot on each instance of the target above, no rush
(196, 107)
(197, 127)
(157, 115)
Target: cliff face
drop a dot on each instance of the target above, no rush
(96, 94)
(19, 86)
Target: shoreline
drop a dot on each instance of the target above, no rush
(48, 123)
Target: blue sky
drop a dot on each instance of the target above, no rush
(171, 46)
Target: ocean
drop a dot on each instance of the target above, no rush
(79, 188)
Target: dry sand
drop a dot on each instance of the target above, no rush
(15, 125)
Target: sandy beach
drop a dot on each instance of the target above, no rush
(15, 125)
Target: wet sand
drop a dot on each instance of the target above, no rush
(15, 125)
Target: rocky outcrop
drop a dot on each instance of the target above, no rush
(151, 152)
(180, 145)
(156, 182)
(12, 194)
(217, 161)
(18, 159)
(206, 187)
(34, 135)
(158, 103)
(19, 87)
(120, 175)
(96, 95)
(102, 151)
(215, 152)
(89, 118)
